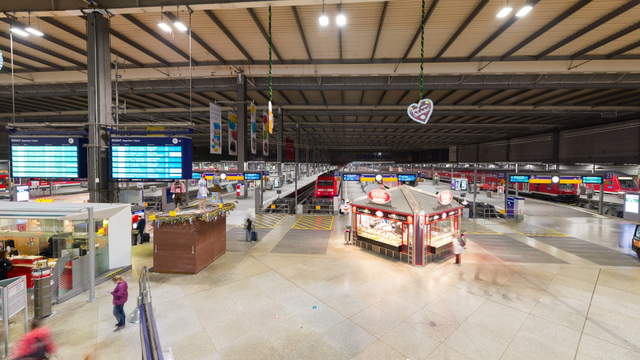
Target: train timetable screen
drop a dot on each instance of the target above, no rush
(48, 158)
(151, 158)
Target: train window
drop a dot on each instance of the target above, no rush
(325, 182)
(627, 183)
(608, 182)
(567, 187)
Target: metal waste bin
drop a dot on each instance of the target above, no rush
(42, 293)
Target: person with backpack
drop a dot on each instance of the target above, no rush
(458, 247)
(37, 344)
(120, 296)
(5, 265)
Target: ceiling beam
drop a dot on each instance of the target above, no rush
(27, 56)
(44, 50)
(264, 33)
(558, 19)
(47, 37)
(487, 96)
(383, 13)
(301, 32)
(423, 24)
(623, 50)
(465, 97)
(138, 47)
(611, 97)
(506, 25)
(228, 34)
(608, 39)
(199, 40)
(462, 27)
(142, 26)
(620, 10)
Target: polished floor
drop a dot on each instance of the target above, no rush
(547, 288)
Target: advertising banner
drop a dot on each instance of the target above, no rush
(265, 134)
(232, 122)
(215, 131)
(253, 129)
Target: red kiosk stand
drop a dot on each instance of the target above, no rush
(406, 224)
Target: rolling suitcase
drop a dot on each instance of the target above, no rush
(145, 238)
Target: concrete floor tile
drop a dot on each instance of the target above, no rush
(541, 339)
(380, 351)
(592, 348)
(348, 338)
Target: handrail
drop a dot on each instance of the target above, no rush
(149, 339)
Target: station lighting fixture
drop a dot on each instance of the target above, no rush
(33, 31)
(341, 20)
(19, 31)
(524, 11)
(504, 12)
(323, 20)
(165, 27)
(180, 26)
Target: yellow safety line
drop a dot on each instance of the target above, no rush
(482, 233)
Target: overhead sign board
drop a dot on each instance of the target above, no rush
(592, 179)
(350, 177)
(519, 178)
(368, 177)
(48, 157)
(151, 158)
(252, 176)
(407, 177)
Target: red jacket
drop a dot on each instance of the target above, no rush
(28, 345)
(120, 293)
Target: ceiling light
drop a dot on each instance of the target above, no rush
(341, 20)
(323, 20)
(19, 31)
(34, 31)
(164, 26)
(524, 11)
(180, 26)
(504, 11)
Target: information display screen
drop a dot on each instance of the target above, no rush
(631, 203)
(151, 158)
(592, 179)
(252, 176)
(407, 177)
(48, 158)
(350, 177)
(519, 178)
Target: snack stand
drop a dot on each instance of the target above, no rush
(407, 224)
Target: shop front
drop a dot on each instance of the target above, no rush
(407, 224)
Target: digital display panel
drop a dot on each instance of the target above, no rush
(631, 203)
(407, 177)
(48, 158)
(350, 177)
(252, 176)
(519, 178)
(151, 158)
(592, 179)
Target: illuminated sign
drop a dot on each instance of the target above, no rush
(445, 197)
(350, 177)
(48, 158)
(196, 175)
(368, 177)
(379, 196)
(233, 177)
(631, 202)
(519, 178)
(22, 193)
(253, 176)
(150, 158)
(592, 179)
(407, 177)
(382, 214)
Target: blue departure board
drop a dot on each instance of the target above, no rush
(48, 157)
(407, 177)
(592, 179)
(253, 176)
(151, 158)
(519, 178)
(350, 177)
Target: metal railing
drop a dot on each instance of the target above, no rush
(149, 339)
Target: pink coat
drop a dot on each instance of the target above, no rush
(120, 293)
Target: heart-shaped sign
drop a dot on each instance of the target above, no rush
(421, 112)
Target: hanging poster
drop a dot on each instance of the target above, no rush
(232, 123)
(215, 131)
(265, 134)
(253, 129)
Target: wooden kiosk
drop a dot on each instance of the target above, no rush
(407, 224)
(189, 241)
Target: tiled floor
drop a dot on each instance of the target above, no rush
(503, 302)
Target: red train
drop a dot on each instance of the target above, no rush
(616, 183)
(327, 186)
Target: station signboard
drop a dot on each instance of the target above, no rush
(407, 177)
(151, 158)
(48, 157)
(519, 178)
(592, 179)
(253, 176)
(350, 177)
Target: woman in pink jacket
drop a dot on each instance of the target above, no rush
(120, 296)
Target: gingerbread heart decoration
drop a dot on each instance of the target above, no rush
(421, 112)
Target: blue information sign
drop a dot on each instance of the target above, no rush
(350, 177)
(407, 177)
(150, 158)
(48, 158)
(592, 179)
(519, 178)
(252, 176)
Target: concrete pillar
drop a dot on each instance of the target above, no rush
(99, 100)
(280, 141)
(241, 95)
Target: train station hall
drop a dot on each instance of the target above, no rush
(320, 179)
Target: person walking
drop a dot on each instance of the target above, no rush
(120, 296)
(37, 344)
(5, 265)
(142, 223)
(248, 228)
(458, 247)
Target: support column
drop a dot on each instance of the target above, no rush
(99, 100)
(241, 95)
(297, 159)
(280, 141)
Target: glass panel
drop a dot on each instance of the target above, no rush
(382, 230)
(442, 232)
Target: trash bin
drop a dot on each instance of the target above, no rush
(42, 292)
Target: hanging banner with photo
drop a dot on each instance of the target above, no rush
(232, 124)
(253, 129)
(265, 134)
(215, 130)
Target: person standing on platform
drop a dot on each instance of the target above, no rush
(178, 188)
(5, 265)
(37, 344)
(142, 223)
(203, 191)
(120, 296)
(248, 228)
(458, 247)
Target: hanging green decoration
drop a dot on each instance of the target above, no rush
(421, 112)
